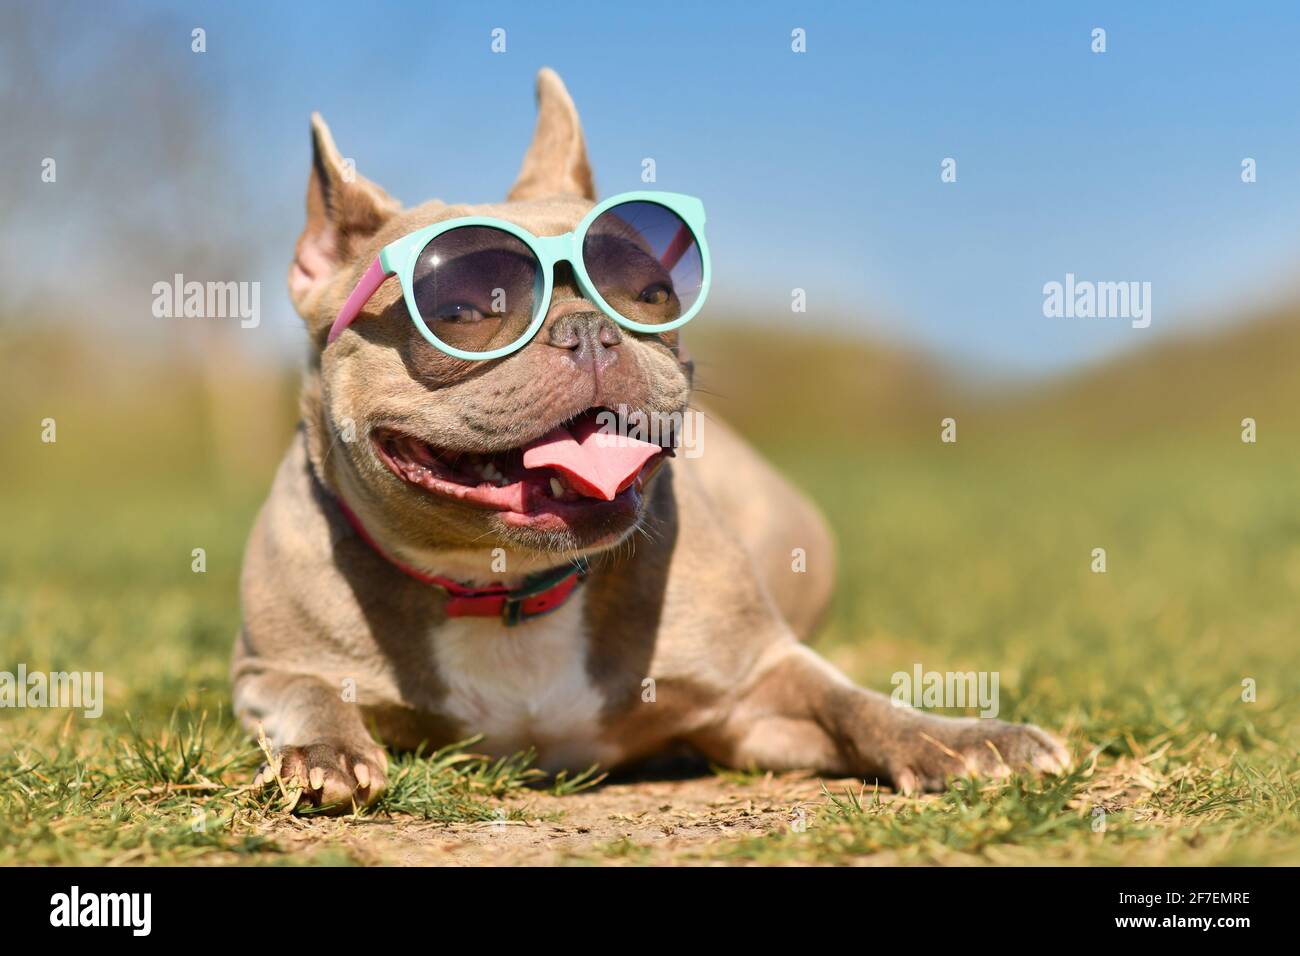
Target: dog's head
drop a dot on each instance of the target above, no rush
(427, 448)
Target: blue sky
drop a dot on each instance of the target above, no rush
(821, 170)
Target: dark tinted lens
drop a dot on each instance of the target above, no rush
(476, 287)
(644, 261)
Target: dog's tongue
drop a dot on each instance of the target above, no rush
(596, 464)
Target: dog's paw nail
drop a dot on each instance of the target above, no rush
(329, 777)
(906, 782)
(1058, 761)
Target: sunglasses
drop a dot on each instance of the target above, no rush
(479, 288)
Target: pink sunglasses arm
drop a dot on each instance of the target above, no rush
(370, 282)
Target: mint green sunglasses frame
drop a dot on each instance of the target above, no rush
(399, 258)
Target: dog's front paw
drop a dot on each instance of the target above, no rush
(331, 776)
(932, 750)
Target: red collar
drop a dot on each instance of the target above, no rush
(539, 594)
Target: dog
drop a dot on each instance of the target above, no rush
(673, 618)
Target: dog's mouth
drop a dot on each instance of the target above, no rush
(581, 467)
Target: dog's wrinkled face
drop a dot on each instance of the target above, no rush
(427, 448)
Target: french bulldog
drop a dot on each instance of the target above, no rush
(677, 620)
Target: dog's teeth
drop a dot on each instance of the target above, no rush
(557, 489)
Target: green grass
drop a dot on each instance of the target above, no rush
(1193, 812)
(178, 792)
(967, 557)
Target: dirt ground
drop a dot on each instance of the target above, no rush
(637, 821)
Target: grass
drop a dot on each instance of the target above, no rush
(974, 556)
(178, 792)
(1176, 812)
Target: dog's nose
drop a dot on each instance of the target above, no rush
(591, 338)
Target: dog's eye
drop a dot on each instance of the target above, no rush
(459, 312)
(657, 294)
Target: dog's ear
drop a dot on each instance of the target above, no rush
(343, 209)
(556, 162)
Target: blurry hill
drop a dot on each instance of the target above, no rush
(1208, 380)
(783, 389)
(197, 409)
(183, 412)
